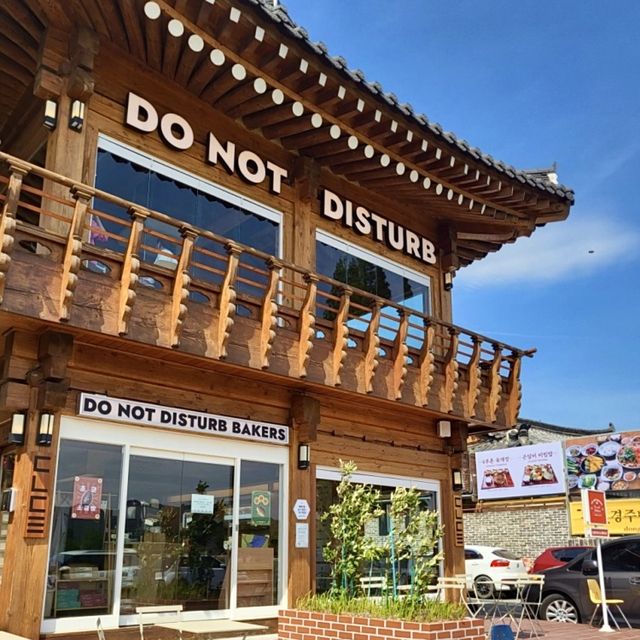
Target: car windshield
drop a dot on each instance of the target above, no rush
(508, 555)
(565, 555)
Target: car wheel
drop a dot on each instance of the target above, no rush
(483, 587)
(558, 608)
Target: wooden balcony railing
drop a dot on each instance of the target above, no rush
(71, 253)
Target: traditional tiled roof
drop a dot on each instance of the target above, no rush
(538, 433)
(535, 179)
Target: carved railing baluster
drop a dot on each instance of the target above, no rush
(473, 390)
(8, 219)
(340, 338)
(307, 323)
(426, 366)
(514, 390)
(181, 284)
(400, 350)
(449, 386)
(495, 386)
(130, 270)
(219, 332)
(269, 313)
(371, 347)
(73, 251)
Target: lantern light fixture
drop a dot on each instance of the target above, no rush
(50, 114)
(456, 479)
(45, 433)
(76, 115)
(304, 456)
(16, 435)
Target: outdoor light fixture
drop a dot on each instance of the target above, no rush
(45, 433)
(304, 456)
(50, 114)
(444, 428)
(16, 436)
(456, 479)
(447, 280)
(76, 116)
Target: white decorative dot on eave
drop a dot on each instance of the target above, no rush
(175, 28)
(217, 57)
(152, 10)
(196, 43)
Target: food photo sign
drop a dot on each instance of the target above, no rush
(607, 462)
(520, 471)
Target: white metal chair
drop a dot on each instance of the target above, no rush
(377, 584)
(168, 616)
(99, 629)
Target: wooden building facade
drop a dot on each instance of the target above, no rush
(226, 263)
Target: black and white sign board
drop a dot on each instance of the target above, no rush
(155, 415)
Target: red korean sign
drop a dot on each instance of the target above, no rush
(594, 510)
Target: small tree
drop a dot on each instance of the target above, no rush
(349, 546)
(414, 534)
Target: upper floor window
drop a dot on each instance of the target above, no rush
(149, 182)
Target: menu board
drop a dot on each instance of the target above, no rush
(520, 471)
(608, 462)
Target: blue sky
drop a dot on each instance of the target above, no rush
(531, 82)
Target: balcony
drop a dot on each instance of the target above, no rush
(77, 256)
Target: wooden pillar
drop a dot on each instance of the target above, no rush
(306, 176)
(449, 262)
(26, 561)
(452, 503)
(305, 416)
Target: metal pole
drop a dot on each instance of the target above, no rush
(606, 627)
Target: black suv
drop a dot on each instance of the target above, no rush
(565, 597)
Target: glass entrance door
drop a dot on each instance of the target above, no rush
(177, 534)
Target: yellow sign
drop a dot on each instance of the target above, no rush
(623, 516)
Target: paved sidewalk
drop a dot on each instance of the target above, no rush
(568, 631)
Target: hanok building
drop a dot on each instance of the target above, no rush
(226, 263)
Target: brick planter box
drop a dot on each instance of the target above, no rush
(309, 625)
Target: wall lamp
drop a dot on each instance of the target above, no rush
(16, 435)
(456, 479)
(304, 456)
(444, 428)
(76, 115)
(50, 114)
(447, 280)
(45, 432)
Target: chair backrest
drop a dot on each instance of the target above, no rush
(369, 583)
(160, 613)
(501, 632)
(99, 629)
(595, 595)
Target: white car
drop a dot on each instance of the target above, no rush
(485, 567)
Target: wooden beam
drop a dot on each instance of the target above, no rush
(514, 390)
(269, 313)
(340, 339)
(371, 347)
(307, 324)
(399, 354)
(130, 270)
(426, 367)
(495, 386)
(73, 251)
(217, 334)
(447, 391)
(8, 219)
(470, 398)
(181, 286)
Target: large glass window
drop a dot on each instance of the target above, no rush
(378, 529)
(82, 559)
(363, 270)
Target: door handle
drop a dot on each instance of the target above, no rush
(634, 580)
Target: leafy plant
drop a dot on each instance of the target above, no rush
(350, 546)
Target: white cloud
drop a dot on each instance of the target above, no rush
(559, 251)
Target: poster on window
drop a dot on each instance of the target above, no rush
(607, 462)
(260, 508)
(535, 470)
(87, 498)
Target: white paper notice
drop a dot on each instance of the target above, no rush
(302, 535)
(201, 503)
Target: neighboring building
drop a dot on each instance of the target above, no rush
(525, 525)
(226, 262)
